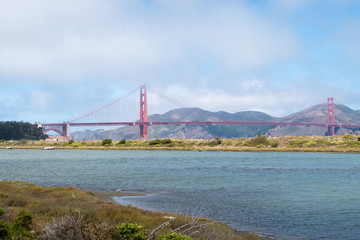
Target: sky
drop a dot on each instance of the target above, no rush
(62, 59)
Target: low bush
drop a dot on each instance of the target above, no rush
(22, 142)
(129, 231)
(106, 141)
(174, 236)
(160, 141)
(2, 212)
(214, 142)
(20, 229)
(348, 137)
(4, 230)
(73, 227)
(258, 140)
(310, 144)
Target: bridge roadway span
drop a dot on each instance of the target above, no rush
(202, 123)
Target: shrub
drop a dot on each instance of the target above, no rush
(274, 144)
(310, 144)
(75, 144)
(166, 141)
(4, 230)
(71, 227)
(130, 231)
(106, 141)
(356, 144)
(259, 139)
(160, 141)
(23, 221)
(70, 142)
(154, 142)
(322, 142)
(348, 137)
(21, 229)
(297, 142)
(174, 236)
(122, 141)
(22, 142)
(2, 212)
(214, 142)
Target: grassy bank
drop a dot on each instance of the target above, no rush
(346, 143)
(60, 209)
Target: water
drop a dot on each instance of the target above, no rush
(284, 195)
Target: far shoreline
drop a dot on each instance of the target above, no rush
(316, 144)
(217, 149)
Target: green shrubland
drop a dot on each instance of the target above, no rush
(28, 211)
(18, 228)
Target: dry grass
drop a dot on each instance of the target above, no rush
(54, 205)
(346, 143)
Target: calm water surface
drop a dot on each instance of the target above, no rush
(284, 195)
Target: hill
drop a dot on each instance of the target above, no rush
(190, 131)
(317, 114)
(314, 114)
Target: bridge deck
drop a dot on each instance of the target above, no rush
(201, 123)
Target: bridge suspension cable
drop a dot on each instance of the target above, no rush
(179, 104)
(157, 93)
(106, 106)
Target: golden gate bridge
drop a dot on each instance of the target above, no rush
(64, 128)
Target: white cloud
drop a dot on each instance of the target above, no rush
(259, 95)
(86, 53)
(348, 38)
(70, 40)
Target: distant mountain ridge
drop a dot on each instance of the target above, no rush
(314, 114)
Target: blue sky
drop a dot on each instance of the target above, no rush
(61, 59)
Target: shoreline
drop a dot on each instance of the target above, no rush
(108, 196)
(335, 144)
(215, 149)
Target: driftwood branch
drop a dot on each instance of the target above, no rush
(191, 225)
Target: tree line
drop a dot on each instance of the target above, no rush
(12, 130)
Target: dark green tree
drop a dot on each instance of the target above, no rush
(12, 130)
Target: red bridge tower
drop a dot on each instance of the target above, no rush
(143, 113)
(331, 119)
